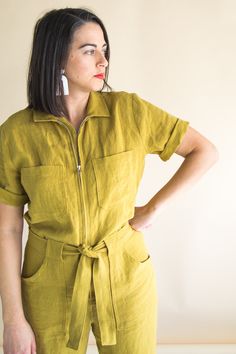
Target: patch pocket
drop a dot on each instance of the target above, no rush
(45, 187)
(116, 179)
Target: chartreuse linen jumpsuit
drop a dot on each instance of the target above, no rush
(84, 265)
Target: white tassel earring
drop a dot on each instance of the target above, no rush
(64, 84)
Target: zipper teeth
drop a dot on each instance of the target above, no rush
(78, 167)
(80, 178)
(75, 155)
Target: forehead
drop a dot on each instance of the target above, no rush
(88, 32)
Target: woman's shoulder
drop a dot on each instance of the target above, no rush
(16, 119)
(20, 116)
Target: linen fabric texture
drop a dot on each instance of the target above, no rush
(84, 265)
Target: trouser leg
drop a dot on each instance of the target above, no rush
(138, 338)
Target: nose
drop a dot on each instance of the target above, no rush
(102, 61)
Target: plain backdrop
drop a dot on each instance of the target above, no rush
(180, 55)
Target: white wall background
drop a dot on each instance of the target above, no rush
(179, 55)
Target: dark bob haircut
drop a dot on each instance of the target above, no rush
(53, 34)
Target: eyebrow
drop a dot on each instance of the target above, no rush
(91, 44)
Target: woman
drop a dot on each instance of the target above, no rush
(76, 156)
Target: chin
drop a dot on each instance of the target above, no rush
(97, 87)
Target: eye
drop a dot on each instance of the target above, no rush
(90, 51)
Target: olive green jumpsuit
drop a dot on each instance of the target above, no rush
(84, 265)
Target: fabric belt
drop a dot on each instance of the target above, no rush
(102, 288)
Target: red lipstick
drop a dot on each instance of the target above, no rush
(100, 76)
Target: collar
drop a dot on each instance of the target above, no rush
(96, 107)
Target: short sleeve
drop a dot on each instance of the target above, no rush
(11, 190)
(160, 131)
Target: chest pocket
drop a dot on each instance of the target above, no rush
(116, 179)
(45, 187)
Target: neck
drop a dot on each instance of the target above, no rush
(76, 104)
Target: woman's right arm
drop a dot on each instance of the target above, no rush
(17, 332)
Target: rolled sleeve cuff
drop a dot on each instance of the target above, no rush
(11, 198)
(175, 139)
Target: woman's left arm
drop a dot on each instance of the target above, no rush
(199, 155)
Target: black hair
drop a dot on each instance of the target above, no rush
(53, 34)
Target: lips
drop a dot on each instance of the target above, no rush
(100, 76)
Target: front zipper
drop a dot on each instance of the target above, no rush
(78, 168)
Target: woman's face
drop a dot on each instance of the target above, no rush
(86, 59)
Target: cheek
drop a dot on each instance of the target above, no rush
(78, 70)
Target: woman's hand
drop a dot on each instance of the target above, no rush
(18, 337)
(143, 218)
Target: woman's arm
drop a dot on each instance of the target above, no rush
(18, 336)
(11, 227)
(200, 154)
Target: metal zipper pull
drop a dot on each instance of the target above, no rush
(78, 168)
